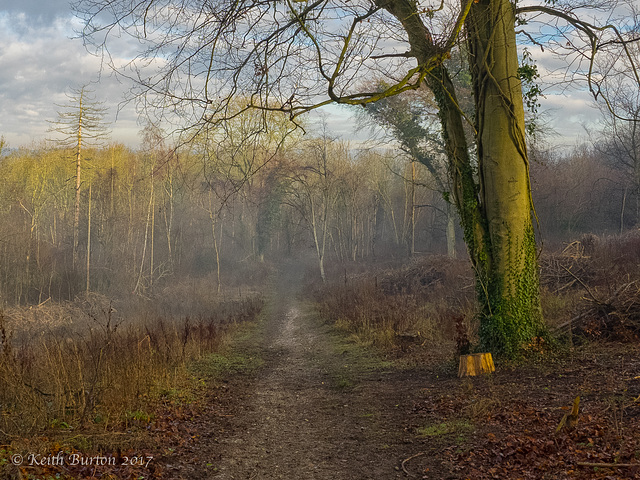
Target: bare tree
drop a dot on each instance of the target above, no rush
(81, 124)
(314, 190)
(411, 119)
(232, 153)
(295, 56)
(619, 103)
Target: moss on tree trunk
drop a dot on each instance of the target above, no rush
(493, 197)
(511, 313)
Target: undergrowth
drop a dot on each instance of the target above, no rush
(589, 288)
(402, 308)
(104, 371)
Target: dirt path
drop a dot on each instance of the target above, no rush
(318, 408)
(321, 408)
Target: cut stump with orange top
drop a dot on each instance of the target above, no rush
(475, 364)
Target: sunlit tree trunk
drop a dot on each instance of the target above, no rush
(76, 211)
(88, 265)
(153, 228)
(168, 213)
(511, 313)
(138, 285)
(493, 199)
(216, 247)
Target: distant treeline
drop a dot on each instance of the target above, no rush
(152, 215)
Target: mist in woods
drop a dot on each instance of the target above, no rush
(162, 215)
(245, 276)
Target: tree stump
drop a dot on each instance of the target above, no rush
(476, 364)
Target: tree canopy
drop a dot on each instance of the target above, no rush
(293, 56)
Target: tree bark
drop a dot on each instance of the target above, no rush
(493, 197)
(511, 313)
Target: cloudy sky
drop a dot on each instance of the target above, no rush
(40, 61)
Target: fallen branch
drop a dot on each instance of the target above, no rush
(583, 284)
(410, 458)
(608, 465)
(564, 327)
(613, 304)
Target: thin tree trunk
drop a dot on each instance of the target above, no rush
(76, 214)
(217, 253)
(451, 232)
(316, 240)
(153, 228)
(413, 208)
(88, 272)
(144, 246)
(624, 202)
(112, 186)
(168, 215)
(216, 249)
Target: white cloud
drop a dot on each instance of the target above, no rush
(567, 105)
(39, 63)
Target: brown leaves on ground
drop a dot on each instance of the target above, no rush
(516, 412)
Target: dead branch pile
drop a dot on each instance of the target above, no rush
(567, 269)
(425, 274)
(606, 273)
(616, 316)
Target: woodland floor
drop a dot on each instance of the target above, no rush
(304, 403)
(320, 407)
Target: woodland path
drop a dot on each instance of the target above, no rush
(317, 408)
(321, 408)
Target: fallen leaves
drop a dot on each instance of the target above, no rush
(515, 439)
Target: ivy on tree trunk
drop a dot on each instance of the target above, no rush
(493, 196)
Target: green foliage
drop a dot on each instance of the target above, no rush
(409, 117)
(510, 321)
(139, 416)
(531, 91)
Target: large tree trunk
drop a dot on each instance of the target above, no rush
(511, 313)
(494, 197)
